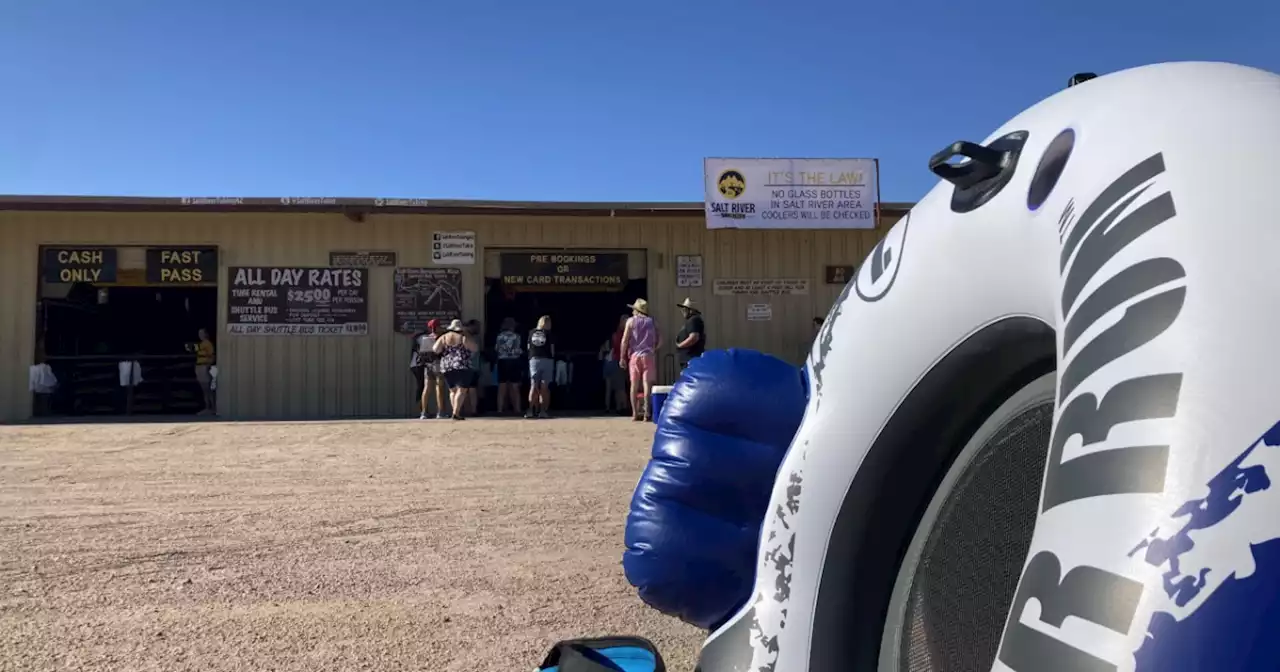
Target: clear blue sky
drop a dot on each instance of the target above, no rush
(551, 100)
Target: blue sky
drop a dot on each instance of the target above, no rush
(552, 100)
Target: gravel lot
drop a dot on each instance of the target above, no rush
(394, 545)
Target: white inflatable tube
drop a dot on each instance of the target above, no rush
(1148, 275)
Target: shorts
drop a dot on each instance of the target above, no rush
(203, 376)
(542, 370)
(644, 367)
(614, 373)
(458, 378)
(510, 370)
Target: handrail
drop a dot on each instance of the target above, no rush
(116, 358)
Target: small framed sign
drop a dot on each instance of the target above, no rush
(839, 275)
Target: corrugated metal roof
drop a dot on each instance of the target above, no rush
(364, 205)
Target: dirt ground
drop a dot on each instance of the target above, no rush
(394, 545)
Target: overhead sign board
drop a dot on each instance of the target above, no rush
(191, 265)
(564, 271)
(80, 264)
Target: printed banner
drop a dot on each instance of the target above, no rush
(791, 193)
(423, 294)
(273, 301)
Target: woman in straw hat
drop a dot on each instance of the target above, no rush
(640, 341)
(455, 348)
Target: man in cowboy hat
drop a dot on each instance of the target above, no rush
(691, 341)
(640, 341)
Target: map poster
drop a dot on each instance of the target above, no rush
(423, 294)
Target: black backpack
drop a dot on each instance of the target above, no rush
(604, 654)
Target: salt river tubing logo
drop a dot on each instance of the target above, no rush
(1093, 595)
(731, 184)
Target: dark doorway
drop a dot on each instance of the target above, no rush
(583, 321)
(85, 334)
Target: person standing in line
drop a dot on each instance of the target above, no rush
(205, 360)
(510, 366)
(691, 340)
(455, 348)
(640, 342)
(542, 368)
(615, 377)
(424, 364)
(477, 364)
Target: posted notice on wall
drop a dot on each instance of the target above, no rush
(791, 193)
(760, 286)
(280, 301)
(688, 270)
(453, 248)
(759, 312)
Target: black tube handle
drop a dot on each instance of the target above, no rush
(1080, 78)
(983, 163)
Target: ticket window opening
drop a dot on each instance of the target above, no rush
(85, 330)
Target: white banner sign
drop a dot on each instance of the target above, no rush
(453, 248)
(791, 193)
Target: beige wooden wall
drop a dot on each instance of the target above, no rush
(314, 377)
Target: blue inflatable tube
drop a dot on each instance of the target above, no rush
(694, 525)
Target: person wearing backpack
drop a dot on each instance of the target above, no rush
(542, 368)
(510, 352)
(424, 364)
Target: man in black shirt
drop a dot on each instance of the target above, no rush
(691, 341)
